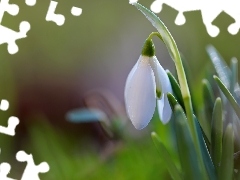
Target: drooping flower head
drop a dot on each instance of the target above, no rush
(147, 83)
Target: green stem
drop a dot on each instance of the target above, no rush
(155, 34)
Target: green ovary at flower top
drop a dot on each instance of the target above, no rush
(146, 83)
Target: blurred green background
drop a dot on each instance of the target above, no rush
(57, 65)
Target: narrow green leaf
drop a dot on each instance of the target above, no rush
(234, 77)
(228, 96)
(219, 64)
(187, 152)
(226, 168)
(206, 156)
(208, 100)
(173, 171)
(172, 101)
(176, 88)
(217, 134)
(208, 97)
(234, 86)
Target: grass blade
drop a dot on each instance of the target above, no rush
(176, 88)
(187, 152)
(217, 134)
(226, 168)
(228, 95)
(219, 64)
(234, 86)
(208, 100)
(206, 156)
(172, 101)
(173, 171)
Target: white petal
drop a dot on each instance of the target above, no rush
(156, 68)
(161, 76)
(164, 109)
(130, 75)
(140, 94)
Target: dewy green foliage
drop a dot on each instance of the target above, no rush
(219, 64)
(228, 95)
(176, 89)
(205, 153)
(199, 160)
(167, 159)
(226, 167)
(187, 153)
(208, 100)
(216, 135)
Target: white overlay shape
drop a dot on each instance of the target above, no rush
(76, 11)
(4, 105)
(31, 171)
(30, 2)
(12, 124)
(4, 171)
(8, 35)
(209, 10)
(59, 19)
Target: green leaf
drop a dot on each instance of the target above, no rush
(217, 134)
(205, 154)
(208, 100)
(173, 171)
(228, 95)
(234, 86)
(234, 77)
(219, 64)
(172, 101)
(226, 168)
(176, 88)
(187, 152)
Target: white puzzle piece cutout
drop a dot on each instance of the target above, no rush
(59, 19)
(12, 121)
(4, 171)
(8, 35)
(209, 10)
(30, 2)
(10, 130)
(75, 11)
(4, 105)
(31, 171)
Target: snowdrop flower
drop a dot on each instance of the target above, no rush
(147, 83)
